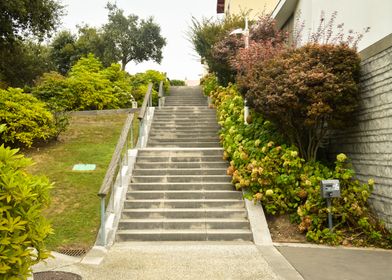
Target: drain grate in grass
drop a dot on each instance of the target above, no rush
(73, 252)
(56, 275)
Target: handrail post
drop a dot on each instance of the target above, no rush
(103, 228)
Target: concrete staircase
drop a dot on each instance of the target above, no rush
(179, 189)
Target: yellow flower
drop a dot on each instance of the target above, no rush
(341, 157)
(269, 192)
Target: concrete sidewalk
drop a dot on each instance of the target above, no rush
(228, 260)
(180, 260)
(338, 263)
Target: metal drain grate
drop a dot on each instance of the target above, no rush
(56, 275)
(73, 252)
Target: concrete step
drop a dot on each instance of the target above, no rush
(179, 109)
(172, 137)
(181, 130)
(183, 203)
(175, 159)
(185, 213)
(186, 145)
(179, 171)
(183, 120)
(191, 126)
(180, 186)
(184, 114)
(180, 165)
(185, 235)
(184, 194)
(175, 140)
(182, 179)
(185, 136)
(180, 153)
(167, 224)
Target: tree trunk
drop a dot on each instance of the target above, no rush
(123, 64)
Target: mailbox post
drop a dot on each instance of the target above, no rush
(330, 189)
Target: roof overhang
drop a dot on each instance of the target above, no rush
(283, 11)
(220, 6)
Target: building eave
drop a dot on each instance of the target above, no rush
(220, 6)
(283, 11)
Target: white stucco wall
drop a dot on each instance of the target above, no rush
(355, 14)
(257, 7)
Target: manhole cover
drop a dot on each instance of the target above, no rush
(56, 275)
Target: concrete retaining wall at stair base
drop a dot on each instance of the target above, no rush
(369, 143)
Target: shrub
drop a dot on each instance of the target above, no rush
(205, 34)
(209, 83)
(22, 226)
(140, 83)
(177, 83)
(307, 91)
(273, 172)
(53, 88)
(26, 118)
(88, 86)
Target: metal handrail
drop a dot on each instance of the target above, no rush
(147, 102)
(161, 92)
(110, 175)
(119, 156)
(114, 167)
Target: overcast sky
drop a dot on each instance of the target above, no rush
(174, 17)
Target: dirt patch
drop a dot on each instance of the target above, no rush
(283, 231)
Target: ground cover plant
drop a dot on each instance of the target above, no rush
(74, 211)
(273, 172)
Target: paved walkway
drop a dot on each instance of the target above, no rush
(325, 263)
(178, 260)
(228, 260)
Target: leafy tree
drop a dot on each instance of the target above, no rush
(63, 51)
(23, 63)
(307, 92)
(208, 32)
(92, 40)
(23, 228)
(133, 39)
(27, 17)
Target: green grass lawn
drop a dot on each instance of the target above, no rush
(74, 211)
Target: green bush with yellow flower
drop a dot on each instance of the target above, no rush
(273, 173)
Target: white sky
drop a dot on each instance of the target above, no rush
(174, 17)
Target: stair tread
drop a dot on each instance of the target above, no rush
(185, 210)
(186, 191)
(218, 231)
(182, 220)
(185, 200)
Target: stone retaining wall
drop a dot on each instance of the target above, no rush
(369, 143)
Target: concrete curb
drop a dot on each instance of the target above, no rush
(279, 264)
(263, 241)
(317, 246)
(95, 256)
(258, 223)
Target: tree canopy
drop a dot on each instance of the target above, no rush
(133, 39)
(27, 17)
